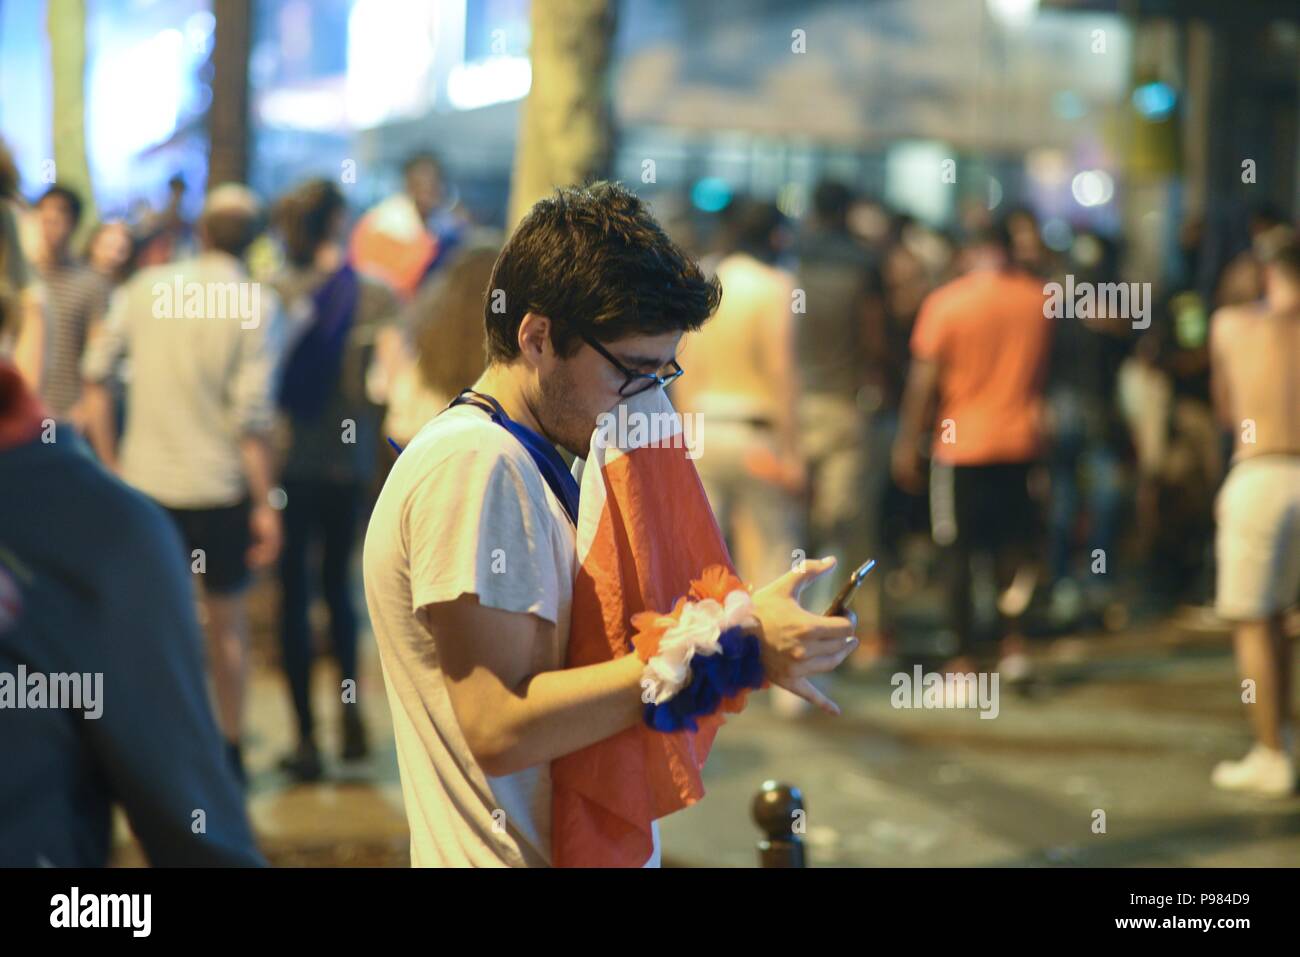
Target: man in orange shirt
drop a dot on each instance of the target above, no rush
(979, 351)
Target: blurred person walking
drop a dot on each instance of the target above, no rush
(76, 297)
(406, 236)
(836, 342)
(1255, 358)
(165, 235)
(979, 358)
(1087, 441)
(91, 592)
(22, 308)
(444, 326)
(744, 383)
(896, 513)
(203, 343)
(334, 318)
(110, 251)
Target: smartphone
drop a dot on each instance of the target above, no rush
(839, 606)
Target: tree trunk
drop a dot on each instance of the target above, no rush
(228, 114)
(565, 132)
(66, 23)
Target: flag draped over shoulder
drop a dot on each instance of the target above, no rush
(645, 531)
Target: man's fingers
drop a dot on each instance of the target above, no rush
(821, 628)
(796, 578)
(825, 663)
(822, 647)
(808, 691)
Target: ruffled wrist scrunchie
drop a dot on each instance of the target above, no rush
(702, 656)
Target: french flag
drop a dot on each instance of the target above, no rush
(645, 530)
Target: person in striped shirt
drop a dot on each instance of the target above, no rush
(75, 300)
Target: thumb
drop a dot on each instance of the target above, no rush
(804, 572)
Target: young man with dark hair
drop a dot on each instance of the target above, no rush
(470, 557)
(75, 299)
(204, 342)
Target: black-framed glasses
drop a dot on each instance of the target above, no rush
(637, 382)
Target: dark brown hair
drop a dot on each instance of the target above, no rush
(593, 258)
(304, 218)
(1285, 256)
(447, 321)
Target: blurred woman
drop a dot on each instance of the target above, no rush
(110, 251)
(334, 318)
(444, 325)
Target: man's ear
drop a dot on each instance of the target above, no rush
(535, 338)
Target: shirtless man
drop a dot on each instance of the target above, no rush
(743, 381)
(1255, 382)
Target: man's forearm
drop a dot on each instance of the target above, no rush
(101, 429)
(554, 713)
(918, 402)
(255, 453)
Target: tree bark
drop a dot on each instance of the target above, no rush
(66, 23)
(228, 114)
(565, 128)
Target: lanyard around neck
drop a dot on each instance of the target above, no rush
(548, 461)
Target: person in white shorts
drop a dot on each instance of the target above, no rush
(1255, 369)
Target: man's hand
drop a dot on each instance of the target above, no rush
(905, 464)
(264, 523)
(797, 643)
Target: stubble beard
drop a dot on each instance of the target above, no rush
(564, 423)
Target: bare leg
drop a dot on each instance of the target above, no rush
(1258, 660)
(227, 632)
(1281, 645)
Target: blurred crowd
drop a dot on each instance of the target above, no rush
(1111, 414)
(871, 386)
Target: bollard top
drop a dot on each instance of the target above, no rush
(773, 808)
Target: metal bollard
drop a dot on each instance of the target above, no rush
(776, 809)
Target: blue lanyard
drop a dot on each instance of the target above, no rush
(549, 461)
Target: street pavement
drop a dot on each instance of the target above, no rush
(1103, 761)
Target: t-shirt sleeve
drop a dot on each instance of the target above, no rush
(253, 387)
(929, 335)
(109, 341)
(476, 526)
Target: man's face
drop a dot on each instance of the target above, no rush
(578, 389)
(424, 186)
(111, 249)
(56, 223)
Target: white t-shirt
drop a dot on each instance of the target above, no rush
(465, 510)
